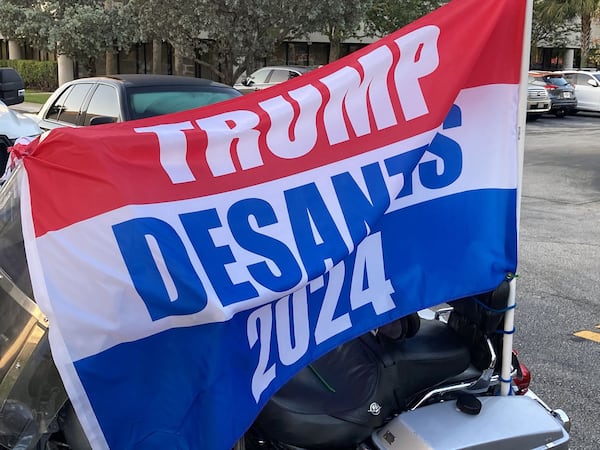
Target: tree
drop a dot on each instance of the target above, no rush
(340, 21)
(387, 16)
(565, 10)
(80, 29)
(236, 32)
(549, 31)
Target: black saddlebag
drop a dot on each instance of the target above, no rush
(338, 400)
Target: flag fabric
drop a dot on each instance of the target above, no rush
(190, 264)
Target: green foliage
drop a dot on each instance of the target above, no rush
(37, 75)
(236, 32)
(563, 11)
(387, 16)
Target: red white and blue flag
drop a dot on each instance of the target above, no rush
(190, 264)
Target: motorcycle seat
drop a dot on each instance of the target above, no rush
(340, 398)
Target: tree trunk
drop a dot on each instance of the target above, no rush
(90, 67)
(157, 56)
(111, 63)
(334, 48)
(586, 32)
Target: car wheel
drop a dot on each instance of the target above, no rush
(560, 113)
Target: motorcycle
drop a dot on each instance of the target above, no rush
(427, 381)
(430, 380)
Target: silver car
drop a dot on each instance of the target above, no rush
(538, 101)
(269, 76)
(587, 88)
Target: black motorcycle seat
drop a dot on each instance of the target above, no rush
(327, 404)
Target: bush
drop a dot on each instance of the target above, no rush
(37, 75)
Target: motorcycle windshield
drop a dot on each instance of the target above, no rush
(12, 250)
(31, 391)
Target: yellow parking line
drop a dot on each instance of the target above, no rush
(591, 335)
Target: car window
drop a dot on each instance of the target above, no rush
(279, 76)
(260, 76)
(557, 81)
(66, 108)
(582, 79)
(150, 102)
(104, 102)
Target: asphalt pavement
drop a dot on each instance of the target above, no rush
(558, 289)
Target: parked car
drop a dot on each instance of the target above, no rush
(12, 88)
(562, 93)
(587, 88)
(269, 76)
(13, 125)
(119, 98)
(538, 101)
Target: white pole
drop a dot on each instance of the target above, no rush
(509, 318)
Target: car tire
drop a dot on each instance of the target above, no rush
(560, 113)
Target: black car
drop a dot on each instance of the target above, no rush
(119, 98)
(561, 92)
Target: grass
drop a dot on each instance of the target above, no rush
(36, 96)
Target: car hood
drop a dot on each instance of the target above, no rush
(14, 124)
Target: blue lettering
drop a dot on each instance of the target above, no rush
(448, 150)
(260, 244)
(444, 147)
(133, 240)
(405, 164)
(214, 258)
(314, 229)
(361, 212)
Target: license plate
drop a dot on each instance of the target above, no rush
(541, 105)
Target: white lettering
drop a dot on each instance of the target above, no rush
(172, 145)
(231, 133)
(355, 97)
(261, 321)
(290, 353)
(285, 138)
(418, 58)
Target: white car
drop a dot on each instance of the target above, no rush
(587, 88)
(269, 76)
(13, 125)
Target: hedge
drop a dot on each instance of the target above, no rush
(37, 75)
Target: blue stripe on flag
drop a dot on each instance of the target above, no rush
(192, 387)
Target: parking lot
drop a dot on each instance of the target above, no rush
(558, 290)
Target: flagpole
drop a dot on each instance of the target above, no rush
(509, 319)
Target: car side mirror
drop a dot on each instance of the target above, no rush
(101, 120)
(593, 83)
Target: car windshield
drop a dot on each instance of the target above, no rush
(557, 81)
(149, 102)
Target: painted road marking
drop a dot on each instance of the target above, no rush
(590, 335)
